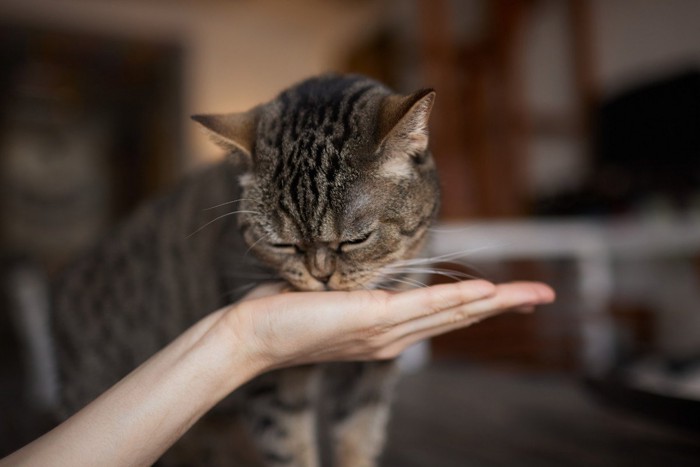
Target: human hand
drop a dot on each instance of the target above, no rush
(293, 328)
(135, 421)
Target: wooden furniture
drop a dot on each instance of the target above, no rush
(481, 123)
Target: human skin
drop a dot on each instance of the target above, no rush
(141, 416)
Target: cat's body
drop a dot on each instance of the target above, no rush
(330, 184)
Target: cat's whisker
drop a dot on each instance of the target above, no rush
(456, 275)
(227, 203)
(440, 258)
(407, 281)
(415, 283)
(369, 288)
(420, 269)
(450, 230)
(418, 283)
(387, 287)
(219, 218)
(430, 260)
(374, 284)
(366, 285)
(424, 269)
(256, 242)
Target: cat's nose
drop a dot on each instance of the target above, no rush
(321, 264)
(324, 278)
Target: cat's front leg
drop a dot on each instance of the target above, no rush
(361, 394)
(281, 417)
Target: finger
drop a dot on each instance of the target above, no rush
(518, 294)
(418, 303)
(399, 345)
(457, 317)
(514, 296)
(505, 296)
(395, 348)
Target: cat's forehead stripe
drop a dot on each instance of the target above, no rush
(315, 128)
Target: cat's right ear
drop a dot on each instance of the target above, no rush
(403, 122)
(231, 131)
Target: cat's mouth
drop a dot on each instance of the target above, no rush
(394, 282)
(332, 284)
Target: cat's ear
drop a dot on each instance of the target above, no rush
(403, 123)
(234, 130)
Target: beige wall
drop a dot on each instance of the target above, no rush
(238, 53)
(241, 52)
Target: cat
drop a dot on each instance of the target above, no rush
(325, 187)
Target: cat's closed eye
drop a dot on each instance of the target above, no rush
(287, 247)
(351, 244)
(347, 245)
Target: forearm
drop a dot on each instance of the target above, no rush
(141, 416)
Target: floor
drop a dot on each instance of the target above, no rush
(462, 415)
(458, 415)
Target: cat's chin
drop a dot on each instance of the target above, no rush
(322, 288)
(309, 286)
(330, 287)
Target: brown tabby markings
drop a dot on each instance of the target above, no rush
(334, 184)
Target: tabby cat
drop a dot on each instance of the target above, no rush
(326, 187)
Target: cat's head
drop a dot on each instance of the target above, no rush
(339, 179)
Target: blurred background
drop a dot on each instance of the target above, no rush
(567, 136)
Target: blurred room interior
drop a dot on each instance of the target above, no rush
(567, 136)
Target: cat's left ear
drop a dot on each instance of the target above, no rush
(403, 123)
(231, 131)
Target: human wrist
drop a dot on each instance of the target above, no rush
(231, 351)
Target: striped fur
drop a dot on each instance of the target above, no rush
(326, 184)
